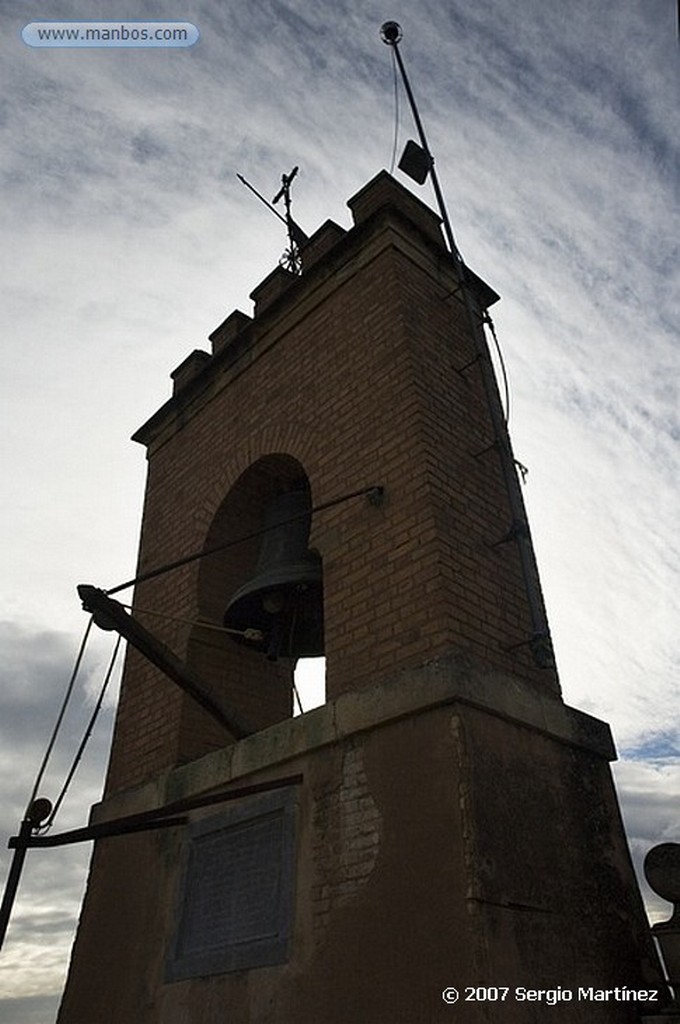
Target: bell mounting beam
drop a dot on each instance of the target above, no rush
(110, 615)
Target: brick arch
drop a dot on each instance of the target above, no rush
(293, 441)
(240, 513)
(260, 690)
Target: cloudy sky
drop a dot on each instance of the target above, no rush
(126, 239)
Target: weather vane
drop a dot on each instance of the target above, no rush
(291, 259)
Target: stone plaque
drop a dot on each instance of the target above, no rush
(236, 902)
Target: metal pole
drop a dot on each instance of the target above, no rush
(541, 644)
(448, 230)
(14, 876)
(145, 821)
(374, 494)
(157, 818)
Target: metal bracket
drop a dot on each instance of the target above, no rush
(473, 362)
(518, 529)
(489, 448)
(541, 649)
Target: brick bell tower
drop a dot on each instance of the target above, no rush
(444, 820)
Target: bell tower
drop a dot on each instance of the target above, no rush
(333, 478)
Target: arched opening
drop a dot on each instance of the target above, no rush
(260, 607)
(278, 610)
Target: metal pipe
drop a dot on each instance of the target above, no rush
(172, 815)
(448, 230)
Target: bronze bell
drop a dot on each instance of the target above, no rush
(283, 600)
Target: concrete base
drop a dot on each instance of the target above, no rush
(454, 829)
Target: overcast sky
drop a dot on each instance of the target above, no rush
(126, 239)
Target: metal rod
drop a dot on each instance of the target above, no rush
(91, 832)
(261, 198)
(448, 230)
(158, 817)
(14, 876)
(374, 493)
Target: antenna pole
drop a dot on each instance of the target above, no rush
(540, 642)
(392, 34)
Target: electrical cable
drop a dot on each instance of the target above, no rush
(396, 111)
(88, 732)
(506, 386)
(62, 712)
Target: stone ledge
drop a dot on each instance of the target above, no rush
(448, 682)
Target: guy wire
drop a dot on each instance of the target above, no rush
(506, 387)
(88, 732)
(396, 112)
(62, 712)
(375, 490)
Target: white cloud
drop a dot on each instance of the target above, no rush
(126, 239)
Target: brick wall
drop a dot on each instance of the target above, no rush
(346, 839)
(352, 371)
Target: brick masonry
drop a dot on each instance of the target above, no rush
(350, 373)
(347, 831)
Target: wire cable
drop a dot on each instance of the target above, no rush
(506, 386)
(62, 712)
(85, 740)
(374, 493)
(396, 111)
